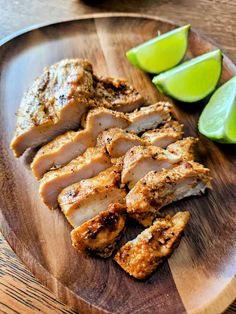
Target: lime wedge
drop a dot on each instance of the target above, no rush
(161, 53)
(192, 80)
(218, 119)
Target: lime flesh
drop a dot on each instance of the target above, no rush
(218, 119)
(192, 80)
(161, 53)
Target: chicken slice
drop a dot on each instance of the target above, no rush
(86, 166)
(87, 198)
(139, 160)
(54, 103)
(186, 147)
(100, 234)
(59, 97)
(116, 94)
(156, 190)
(118, 141)
(169, 132)
(141, 256)
(64, 148)
(70, 145)
(150, 117)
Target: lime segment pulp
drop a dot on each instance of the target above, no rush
(218, 119)
(192, 80)
(161, 53)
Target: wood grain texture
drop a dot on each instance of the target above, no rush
(41, 237)
(20, 292)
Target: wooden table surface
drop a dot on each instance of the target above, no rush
(20, 292)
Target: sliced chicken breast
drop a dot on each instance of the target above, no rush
(86, 166)
(100, 234)
(185, 147)
(64, 148)
(54, 104)
(156, 190)
(150, 117)
(70, 145)
(59, 97)
(87, 198)
(116, 94)
(168, 133)
(118, 141)
(139, 160)
(141, 256)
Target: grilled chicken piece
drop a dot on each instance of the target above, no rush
(100, 234)
(86, 166)
(139, 160)
(64, 148)
(170, 132)
(87, 198)
(116, 94)
(156, 190)
(59, 97)
(118, 141)
(150, 117)
(54, 104)
(186, 147)
(70, 145)
(141, 256)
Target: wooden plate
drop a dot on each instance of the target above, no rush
(198, 278)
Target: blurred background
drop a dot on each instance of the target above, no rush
(214, 17)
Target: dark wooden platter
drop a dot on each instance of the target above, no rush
(200, 275)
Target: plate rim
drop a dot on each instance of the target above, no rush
(20, 246)
(33, 27)
(88, 16)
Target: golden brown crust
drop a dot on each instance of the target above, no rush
(149, 117)
(68, 146)
(100, 234)
(116, 94)
(185, 147)
(139, 160)
(137, 153)
(85, 199)
(76, 192)
(118, 141)
(62, 92)
(156, 190)
(141, 256)
(61, 95)
(94, 160)
(166, 134)
(64, 148)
